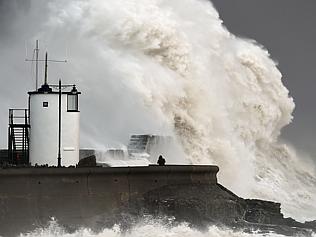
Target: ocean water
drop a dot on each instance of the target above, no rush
(170, 67)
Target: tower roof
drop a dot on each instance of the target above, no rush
(53, 89)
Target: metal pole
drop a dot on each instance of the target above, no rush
(45, 79)
(59, 126)
(27, 147)
(36, 65)
(9, 138)
(25, 138)
(23, 148)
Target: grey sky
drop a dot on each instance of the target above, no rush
(287, 29)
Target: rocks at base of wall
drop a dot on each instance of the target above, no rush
(265, 212)
(202, 205)
(311, 224)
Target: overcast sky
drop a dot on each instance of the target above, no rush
(287, 29)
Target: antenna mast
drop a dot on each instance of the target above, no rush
(36, 65)
(46, 60)
(45, 79)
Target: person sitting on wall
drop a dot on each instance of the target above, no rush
(161, 161)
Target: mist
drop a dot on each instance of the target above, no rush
(169, 68)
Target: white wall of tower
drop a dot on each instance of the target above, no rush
(44, 131)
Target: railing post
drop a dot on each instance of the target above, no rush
(10, 116)
(10, 153)
(9, 143)
(25, 117)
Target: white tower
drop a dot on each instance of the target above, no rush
(45, 126)
(54, 124)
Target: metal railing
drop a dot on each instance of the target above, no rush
(18, 136)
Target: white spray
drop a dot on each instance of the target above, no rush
(171, 68)
(146, 229)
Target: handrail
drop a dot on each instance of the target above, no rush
(15, 118)
(18, 140)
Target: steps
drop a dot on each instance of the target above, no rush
(18, 136)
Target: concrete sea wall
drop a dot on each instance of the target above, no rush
(101, 197)
(29, 197)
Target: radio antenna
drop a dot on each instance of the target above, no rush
(36, 65)
(41, 60)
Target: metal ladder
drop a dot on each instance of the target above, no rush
(18, 136)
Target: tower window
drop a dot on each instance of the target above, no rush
(72, 100)
(72, 103)
(45, 104)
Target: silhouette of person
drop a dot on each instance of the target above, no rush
(161, 161)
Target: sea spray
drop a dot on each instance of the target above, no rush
(180, 72)
(149, 228)
(172, 68)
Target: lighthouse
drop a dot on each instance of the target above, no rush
(54, 118)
